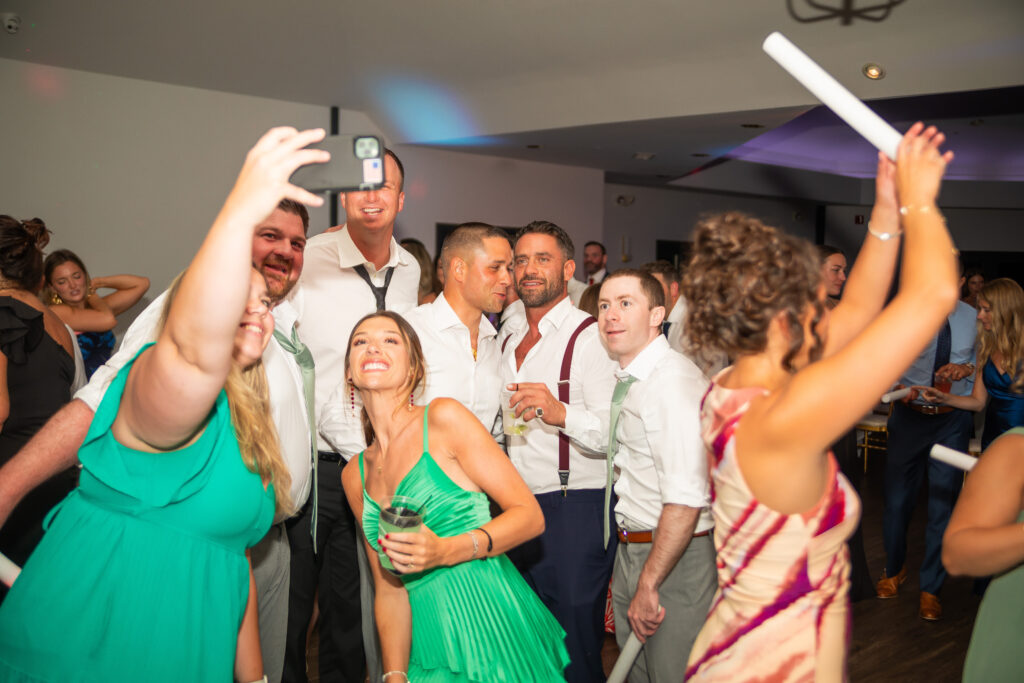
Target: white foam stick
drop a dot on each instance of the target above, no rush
(8, 570)
(626, 658)
(895, 395)
(955, 458)
(832, 94)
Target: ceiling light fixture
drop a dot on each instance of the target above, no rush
(873, 71)
(643, 156)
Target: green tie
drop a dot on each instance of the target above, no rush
(613, 447)
(305, 361)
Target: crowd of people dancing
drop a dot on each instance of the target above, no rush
(453, 467)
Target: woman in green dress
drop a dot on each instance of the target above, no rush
(457, 610)
(142, 574)
(985, 537)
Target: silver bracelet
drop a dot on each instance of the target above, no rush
(476, 545)
(884, 236)
(392, 673)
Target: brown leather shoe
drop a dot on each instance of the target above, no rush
(931, 608)
(888, 586)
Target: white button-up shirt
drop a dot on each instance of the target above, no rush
(591, 382)
(284, 378)
(661, 456)
(331, 298)
(451, 369)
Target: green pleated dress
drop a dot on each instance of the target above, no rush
(141, 575)
(478, 620)
(994, 654)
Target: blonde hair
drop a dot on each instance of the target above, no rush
(249, 402)
(1006, 298)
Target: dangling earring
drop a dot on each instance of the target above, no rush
(352, 397)
(55, 299)
(410, 400)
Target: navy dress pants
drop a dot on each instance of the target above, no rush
(911, 436)
(569, 569)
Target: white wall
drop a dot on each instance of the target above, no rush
(671, 214)
(128, 174)
(453, 187)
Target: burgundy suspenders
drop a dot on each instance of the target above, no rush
(563, 396)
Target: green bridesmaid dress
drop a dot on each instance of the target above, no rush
(141, 575)
(478, 620)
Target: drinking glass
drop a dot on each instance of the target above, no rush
(400, 515)
(510, 424)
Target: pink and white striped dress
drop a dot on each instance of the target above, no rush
(781, 612)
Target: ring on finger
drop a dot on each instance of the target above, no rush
(539, 411)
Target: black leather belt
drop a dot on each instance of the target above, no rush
(328, 456)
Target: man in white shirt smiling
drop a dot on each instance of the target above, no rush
(555, 350)
(356, 269)
(459, 343)
(664, 577)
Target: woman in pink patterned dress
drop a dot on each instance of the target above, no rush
(802, 377)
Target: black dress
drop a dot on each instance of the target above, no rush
(39, 377)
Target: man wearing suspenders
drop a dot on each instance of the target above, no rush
(561, 379)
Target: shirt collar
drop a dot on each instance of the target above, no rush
(647, 360)
(285, 316)
(554, 318)
(446, 318)
(349, 255)
(678, 311)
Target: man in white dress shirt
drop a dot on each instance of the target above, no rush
(277, 250)
(664, 577)
(354, 270)
(562, 379)
(459, 342)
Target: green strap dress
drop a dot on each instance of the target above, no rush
(478, 620)
(142, 574)
(994, 653)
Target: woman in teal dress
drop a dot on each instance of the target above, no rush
(458, 610)
(998, 387)
(142, 574)
(983, 539)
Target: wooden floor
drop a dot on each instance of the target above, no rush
(890, 642)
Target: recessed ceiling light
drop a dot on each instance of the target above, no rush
(533, 147)
(643, 156)
(700, 154)
(873, 71)
(751, 125)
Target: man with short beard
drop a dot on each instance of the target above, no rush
(554, 351)
(277, 252)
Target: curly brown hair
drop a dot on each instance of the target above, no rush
(742, 274)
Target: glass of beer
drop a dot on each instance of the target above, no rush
(399, 515)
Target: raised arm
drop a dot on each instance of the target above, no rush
(173, 385)
(983, 536)
(798, 421)
(128, 290)
(95, 317)
(871, 277)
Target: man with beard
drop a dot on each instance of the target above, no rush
(277, 252)
(555, 350)
(459, 343)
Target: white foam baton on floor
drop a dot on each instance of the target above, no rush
(8, 570)
(955, 458)
(626, 658)
(895, 395)
(832, 94)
